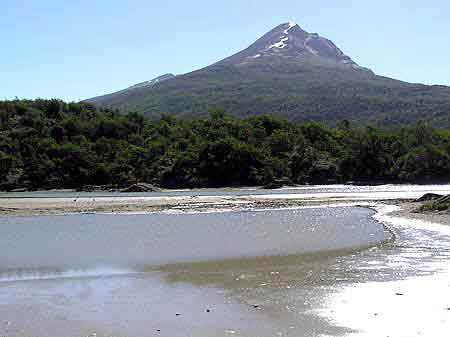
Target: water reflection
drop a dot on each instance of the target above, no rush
(224, 287)
(120, 244)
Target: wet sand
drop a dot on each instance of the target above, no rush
(217, 200)
(129, 205)
(413, 300)
(411, 210)
(273, 297)
(186, 204)
(117, 205)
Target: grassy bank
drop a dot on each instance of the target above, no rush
(437, 205)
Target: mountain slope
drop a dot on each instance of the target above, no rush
(293, 73)
(152, 82)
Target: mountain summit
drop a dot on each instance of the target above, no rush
(293, 73)
(290, 42)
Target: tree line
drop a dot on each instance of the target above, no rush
(49, 144)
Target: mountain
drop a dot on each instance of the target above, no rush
(290, 72)
(289, 43)
(153, 82)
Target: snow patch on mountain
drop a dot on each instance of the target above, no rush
(153, 82)
(290, 26)
(281, 44)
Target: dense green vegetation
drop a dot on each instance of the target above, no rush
(296, 92)
(52, 144)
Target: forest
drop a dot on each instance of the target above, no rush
(50, 144)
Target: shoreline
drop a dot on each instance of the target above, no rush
(123, 205)
(278, 280)
(130, 205)
(175, 204)
(411, 210)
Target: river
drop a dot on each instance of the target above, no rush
(307, 271)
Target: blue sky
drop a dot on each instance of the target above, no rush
(78, 49)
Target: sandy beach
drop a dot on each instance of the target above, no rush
(133, 205)
(120, 205)
(411, 210)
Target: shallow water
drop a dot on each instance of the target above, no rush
(400, 289)
(305, 272)
(135, 242)
(390, 191)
